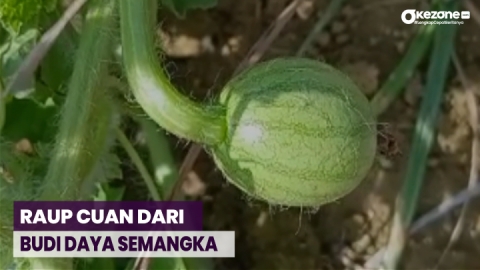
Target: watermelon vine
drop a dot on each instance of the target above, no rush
(150, 85)
(290, 131)
(85, 125)
(87, 115)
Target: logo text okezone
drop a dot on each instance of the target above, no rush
(434, 15)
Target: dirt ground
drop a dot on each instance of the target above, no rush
(367, 41)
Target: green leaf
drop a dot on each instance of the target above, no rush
(18, 44)
(2, 104)
(109, 193)
(14, 50)
(103, 263)
(180, 7)
(17, 15)
(3, 34)
(182, 263)
(108, 168)
(95, 263)
(20, 173)
(12, 53)
(57, 65)
(28, 119)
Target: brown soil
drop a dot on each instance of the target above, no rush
(367, 41)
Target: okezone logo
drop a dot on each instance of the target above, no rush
(411, 16)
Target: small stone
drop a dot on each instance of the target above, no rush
(6, 175)
(324, 39)
(370, 214)
(382, 238)
(207, 198)
(428, 240)
(305, 10)
(433, 162)
(197, 82)
(182, 46)
(400, 46)
(385, 163)
(234, 43)
(354, 24)
(348, 11)
(370, 250)
(193, 185)
(225, 51)
(364, 74)
(262, 218)
(358, 219)
(362, 244)
(207, 44)
(338, 27)
(358, 267)
(396, 33)
(347, 256)
(413, 91)
(470, 57)
(342, 39)
(24, 146)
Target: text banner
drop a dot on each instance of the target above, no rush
(124, 244)
(108, 216)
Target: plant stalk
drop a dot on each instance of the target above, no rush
(86, 118)
(87, 114)
(150, 85)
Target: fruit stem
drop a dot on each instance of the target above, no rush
(150, 85)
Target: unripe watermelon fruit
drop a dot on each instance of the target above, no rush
(300, 133)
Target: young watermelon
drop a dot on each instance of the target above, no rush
(290, 131)
(299, 133)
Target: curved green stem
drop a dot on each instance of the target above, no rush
(150, 85)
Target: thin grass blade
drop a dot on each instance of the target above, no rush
(165, 175)
(325, 18)
(161, 156)
(423, 138)
(404, 71)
